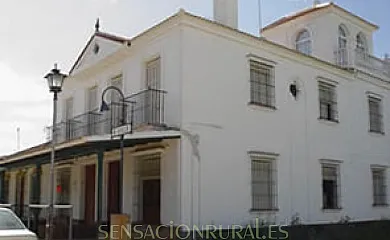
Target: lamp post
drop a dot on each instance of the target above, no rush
(104, 107)
(55, 79)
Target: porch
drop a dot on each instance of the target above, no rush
(87, 178)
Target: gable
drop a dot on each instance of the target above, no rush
(97, 49)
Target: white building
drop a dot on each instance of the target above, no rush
(228, 127)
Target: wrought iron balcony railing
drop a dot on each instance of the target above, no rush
(359, 59)
(143, 108)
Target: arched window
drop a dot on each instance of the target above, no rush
(303, 42)
(342, 37)
(342, 51)
(361, 43)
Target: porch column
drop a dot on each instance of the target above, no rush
(2, 175)
(100, 156)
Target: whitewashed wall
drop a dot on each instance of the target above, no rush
(216, 93)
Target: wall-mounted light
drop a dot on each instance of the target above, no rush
(294, 89)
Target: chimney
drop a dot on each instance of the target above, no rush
(316, 2)
(226, 12)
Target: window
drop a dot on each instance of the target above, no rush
(379, 186)
(342, 37)
(361, 44)
(116, 104)
(328, 102)
(151, 100)
(92, 109)
(69, 118)
(9, 221)
(153, 74)
(330, 186)
(262, 84)
(63, 187)
(264, 189)
(375, 112)
(303, 42)
(342, 51)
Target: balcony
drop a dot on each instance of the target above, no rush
(145, 108)
(355, 58)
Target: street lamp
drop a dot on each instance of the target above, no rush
(55, 79)
(105, 107)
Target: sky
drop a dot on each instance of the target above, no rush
(36, 34)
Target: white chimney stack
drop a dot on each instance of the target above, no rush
(226, 12)
(316, 2)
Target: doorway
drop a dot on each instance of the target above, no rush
(90, 180)
(151, 201)
(113, 188)
(20, 194)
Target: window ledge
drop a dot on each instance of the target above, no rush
(376, 133)
(270, 210)
(258, 106)
(328, 121)
(380, 205)
(330, 210)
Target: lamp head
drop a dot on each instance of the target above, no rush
(55, 79)
(104, 106)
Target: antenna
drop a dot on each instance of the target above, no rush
(18, 139)
(260, 17)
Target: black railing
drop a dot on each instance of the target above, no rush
(143, 108)
(148, 107)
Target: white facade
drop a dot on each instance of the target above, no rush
(205, 69)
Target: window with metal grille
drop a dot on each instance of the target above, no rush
(264, 188)
(63, 188)
(379, 186)
(375, 112)
(262, 84)
(328, 102)
(330, 186)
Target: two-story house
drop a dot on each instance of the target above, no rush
(228, 127)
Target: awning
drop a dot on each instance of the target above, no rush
(82, 147)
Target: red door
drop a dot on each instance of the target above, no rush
(90, 176)
(113, 188)
(151, 201)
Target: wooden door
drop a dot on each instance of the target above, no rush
(113, 188)
(90, 180)
(151, 201)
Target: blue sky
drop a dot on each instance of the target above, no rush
(36, 34)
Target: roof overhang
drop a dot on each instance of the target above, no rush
(85, 146)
